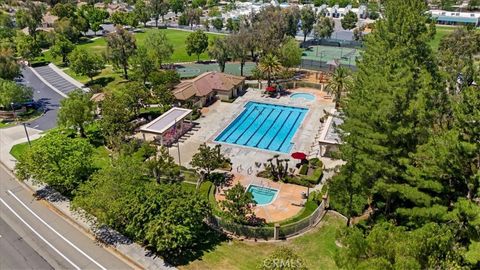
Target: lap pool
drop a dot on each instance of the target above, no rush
(264, 126)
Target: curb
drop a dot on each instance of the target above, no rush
(113, 250)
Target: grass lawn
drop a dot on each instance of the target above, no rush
(176, 37)
(442, 31)
(317, 248)
(18, 149)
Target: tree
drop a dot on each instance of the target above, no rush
(163, 169)
(206, 160)
(119, 18)
(269, 65)
(9, 68)
(133, 96)
(31, 17)
(120, 47)
(238, 44)
(62, 47)
(220, 51)
(199, 3)
(291, 20)
(473, 4)
(349, 21)
(324, 28)
(7, 26)
(86, 63)
(232, 25)
(238, 204)
(217, 23)
(193, 16)
(58, 161)
(206, 24)
(27, 47)
(339, 84)
(142, 12)
(13, 93)
(76, 111)
(159, 46)
(283, 258)
(159, 8)
(142, 64)
(67, 10)
(307, 16)
(116, 116)
(64, 27)
(177, 6)
(290, 54)
(196, 43)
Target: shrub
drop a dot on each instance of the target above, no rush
(303, 169)
(315, 177)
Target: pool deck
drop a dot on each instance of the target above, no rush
(218, 116)
(285, 205)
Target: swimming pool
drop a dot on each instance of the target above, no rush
(264, 126)
(262, 195)
(306, 96)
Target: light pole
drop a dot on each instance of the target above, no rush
(13, 109)
(26, 133)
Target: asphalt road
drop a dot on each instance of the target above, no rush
(48, 98)
(35, 237)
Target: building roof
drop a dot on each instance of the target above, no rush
(455, 16)
(205, 83)
(165, 121)
(329, 132)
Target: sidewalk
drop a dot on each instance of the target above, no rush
(131, 252)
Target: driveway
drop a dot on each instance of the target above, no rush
(48, 98)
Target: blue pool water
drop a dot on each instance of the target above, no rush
(306, 96)
(265, 126)
(262, 195)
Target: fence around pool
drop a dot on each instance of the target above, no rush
(270, 233)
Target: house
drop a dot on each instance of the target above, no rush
(48, 20)
(455, 18)
(206, 87)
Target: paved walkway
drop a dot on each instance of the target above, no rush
(10, 137)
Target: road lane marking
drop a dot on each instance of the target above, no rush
(38, 234)
(57, 233)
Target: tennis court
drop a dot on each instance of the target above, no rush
(346, 56)
(193, 70)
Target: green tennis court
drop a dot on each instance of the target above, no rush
(193, 70)
(323, 53)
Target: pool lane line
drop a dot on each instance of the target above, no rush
(271, 132)
(273, 138)
(256, 130)
(249, 125)
(266, 130)
(232, 127)
(287, 126)
(226, 130)
(288, 133)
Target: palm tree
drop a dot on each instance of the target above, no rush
(339, 84)
(269, 65)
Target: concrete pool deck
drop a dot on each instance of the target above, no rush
(219, 115)
(285, 205)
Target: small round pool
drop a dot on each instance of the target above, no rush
(262, 195)
(305, 96)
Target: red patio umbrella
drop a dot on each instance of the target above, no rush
(299, 155)
(270, 89)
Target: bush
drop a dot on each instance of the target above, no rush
(297, 181)
(303, 169)
(315, 177)
(315, 163)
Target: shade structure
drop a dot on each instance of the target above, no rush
(270, 89)
(299, 155)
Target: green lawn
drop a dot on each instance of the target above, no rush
(442, 31)
(18, 149)
(176, 37)
(317, 248)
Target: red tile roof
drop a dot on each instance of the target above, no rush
(205, 83)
